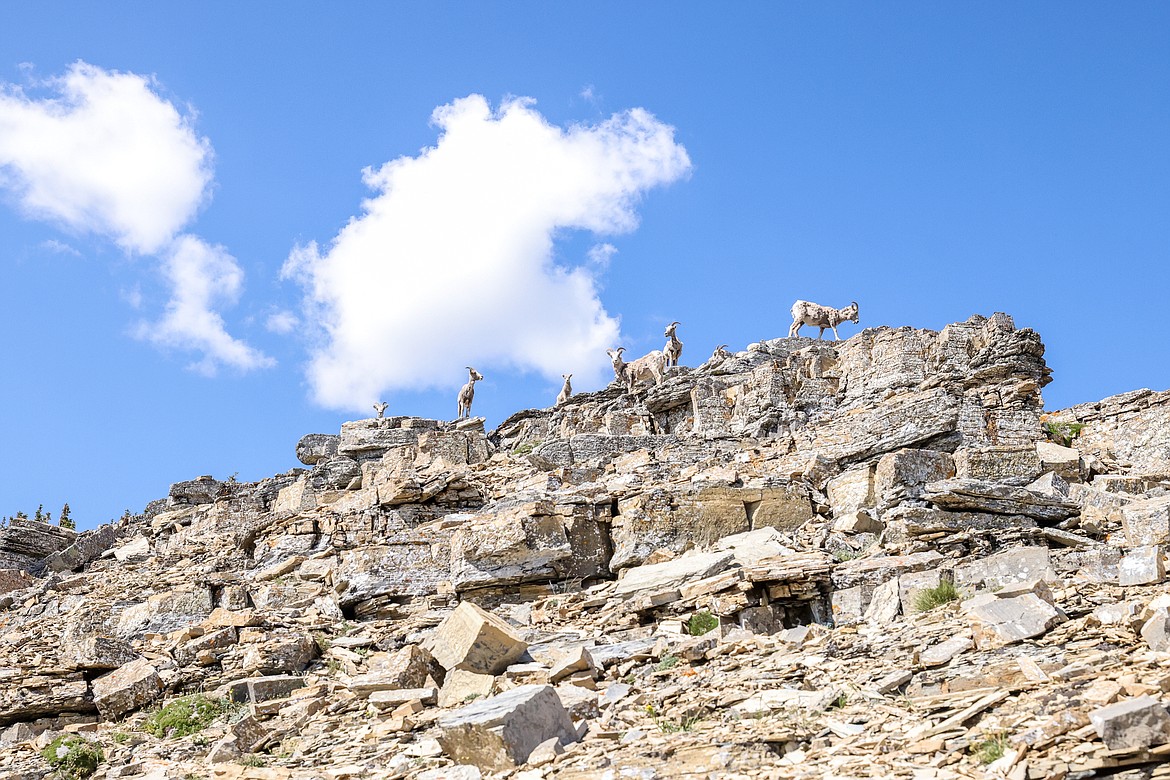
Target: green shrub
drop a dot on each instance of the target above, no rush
(668, 662)
(186, 716)
(990, 749)
(702, 622)
(72, 757)
(943, 593)
(1063, 433)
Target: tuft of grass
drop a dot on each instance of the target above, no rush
(1063, 433)
(990, 749)
(702, 622)
(186, 716)
(668, 726)
(943, 593)
(72, 757)
(253, 760)
(120, 737)
(668, 661)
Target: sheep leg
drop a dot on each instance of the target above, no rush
(794, 329)
(821, 335)
(834, 327)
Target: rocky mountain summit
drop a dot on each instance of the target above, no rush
(871, 558)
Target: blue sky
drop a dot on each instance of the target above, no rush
(624, 165)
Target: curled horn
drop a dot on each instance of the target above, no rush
(855, 304)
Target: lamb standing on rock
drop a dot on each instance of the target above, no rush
(380, 408)
(467, 394)
(673, 348)
(806, 313)
(566, 391)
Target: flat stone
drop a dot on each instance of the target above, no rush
(462, 686)
(670, 575)
(578, 660)
(385, 700)
(501, 732)
(276, 686)
(997, 621)
(943, 652)
(1020, 564)
(974, 495)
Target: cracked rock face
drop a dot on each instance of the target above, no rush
(805, 559)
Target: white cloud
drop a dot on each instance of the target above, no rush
(104, 154)
(203, 278)
(59, 248)
(450, 262)
(282, 322)
(600, 255)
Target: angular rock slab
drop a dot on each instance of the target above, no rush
(475, 640)
(316, 447)
(1142, 566)
(125, 689)
(996, 621)
(501, 732)
(1135, 723)
(658, 577)
(1147, 522)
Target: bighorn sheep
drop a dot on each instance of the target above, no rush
(805, 313)
(566, 391)
(718, 356)
(650, 366)
(467, 394)
(380, 408)
(619, 366)
(673, 348)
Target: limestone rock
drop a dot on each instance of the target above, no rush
(979, 496)
(670, 575)
(1147, 522)
(1132, 429)
(999, 619)
(461, 686)
(904, 473)
(334, 473)
(1134, 723)
(1142, 566)
(97, 652)
(1021, 564)
(474, 640)
(126, 689)
(316, 447)
(1010, 465)
(1156, 630)
(501, 732)
(1065, 462)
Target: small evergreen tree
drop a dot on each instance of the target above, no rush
(40, 514)
(65, 520)
(20, 515)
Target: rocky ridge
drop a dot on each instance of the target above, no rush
(721, 576)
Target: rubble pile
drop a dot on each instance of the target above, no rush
(870, 558)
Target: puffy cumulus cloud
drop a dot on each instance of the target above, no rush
(451, 261)
(202, 278)
(104, 154)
